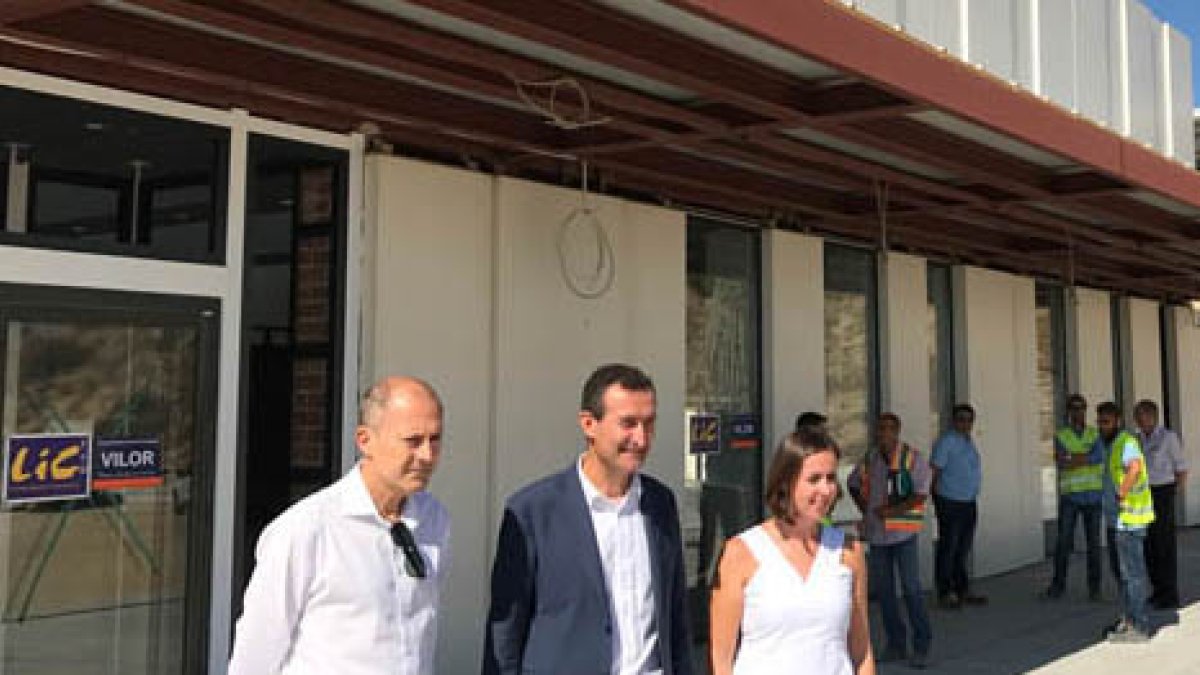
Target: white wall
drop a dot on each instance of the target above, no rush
(793, 292)
(1111, 61)
(431, 316)
(1187, 404)
(549, 340)
(1091, 356)
(467, 291)
(1145, 354)
(997, 364)
(904, 346)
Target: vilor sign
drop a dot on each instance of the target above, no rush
(45, 467)
(127, 463)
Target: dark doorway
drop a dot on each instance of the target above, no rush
(291, 332)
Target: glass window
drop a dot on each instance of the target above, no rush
(723, 472)
(851, 373)
(295, 222)
(1119, 337)
(119, 566)
(1051, 386)
(940, 331)
(84, 176)
(1170, 365)
(851, 356)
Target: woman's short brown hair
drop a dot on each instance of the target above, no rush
(786, 466)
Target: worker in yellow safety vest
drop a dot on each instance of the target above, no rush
(1128, 511)
(1080, 462)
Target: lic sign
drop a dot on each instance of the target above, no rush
(46, 467)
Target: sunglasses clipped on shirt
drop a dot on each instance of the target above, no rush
(414, 563)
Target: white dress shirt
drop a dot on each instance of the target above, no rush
(330, 593)
(625, 556)
(1164, 455)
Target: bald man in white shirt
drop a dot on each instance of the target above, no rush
(347, 580)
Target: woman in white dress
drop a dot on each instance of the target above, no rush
(791, 593)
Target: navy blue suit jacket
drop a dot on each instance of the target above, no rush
(550, 609)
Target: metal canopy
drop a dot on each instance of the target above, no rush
(800, 114)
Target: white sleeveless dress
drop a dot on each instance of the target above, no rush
(791, 624)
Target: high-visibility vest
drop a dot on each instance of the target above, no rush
(1137, 510)
(1088, 478)
(901, 464)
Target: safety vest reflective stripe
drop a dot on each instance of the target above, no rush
(912, 519)
(1088, 478)
(1137, 509)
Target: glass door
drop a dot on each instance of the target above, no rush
(107, 416)
(722, 491)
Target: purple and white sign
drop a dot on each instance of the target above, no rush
(47, 467)
(127, 464)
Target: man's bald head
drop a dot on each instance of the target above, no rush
(393, 390)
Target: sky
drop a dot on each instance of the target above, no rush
(1184, 15)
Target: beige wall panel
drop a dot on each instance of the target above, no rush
(431, 316)
(1187, 345)
(793, 330)
(1092, 353)
(549, 339)
(1145, 352)
(998, 335)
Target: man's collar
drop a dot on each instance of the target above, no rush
(595, 498)
(356, 500)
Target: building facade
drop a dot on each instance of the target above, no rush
(223, 220)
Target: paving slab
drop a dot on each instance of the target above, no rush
(1019, 633)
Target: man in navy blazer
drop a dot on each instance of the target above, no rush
(588, 576)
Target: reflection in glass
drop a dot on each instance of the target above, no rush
(98, 585)
(86, 176)
(295, 221)
(939, 336)
(722, 493)
(850, 373)
(1051, 387)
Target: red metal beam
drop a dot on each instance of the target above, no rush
(16, 11)
(601, 34)
(833, 34)
(261, 68)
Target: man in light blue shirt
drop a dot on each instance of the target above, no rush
(957, 474)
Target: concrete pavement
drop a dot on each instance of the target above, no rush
(1019, 633)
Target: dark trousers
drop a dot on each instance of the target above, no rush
(956, 535)
(1161, 554)
(886, 563)
(1068, 512)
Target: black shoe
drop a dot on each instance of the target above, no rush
(949, 601)
(1051, 593)
(1115, 627)
(976, 600)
